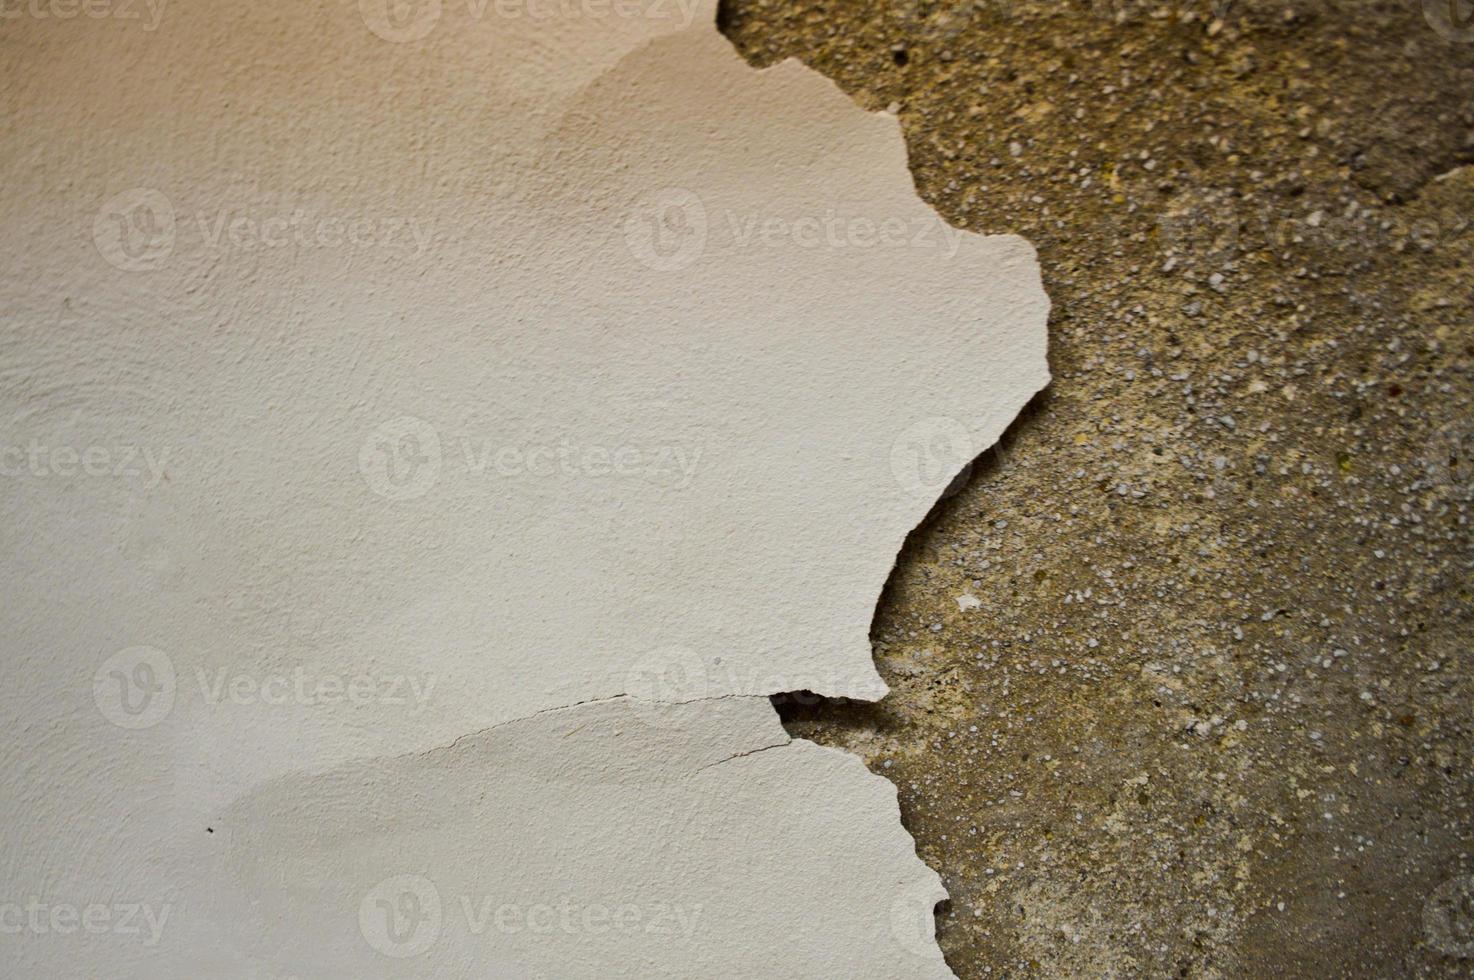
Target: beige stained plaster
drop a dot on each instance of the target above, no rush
(429, 439)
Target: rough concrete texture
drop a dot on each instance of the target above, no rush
(1211, 714)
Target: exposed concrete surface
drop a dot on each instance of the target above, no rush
(1211, 713)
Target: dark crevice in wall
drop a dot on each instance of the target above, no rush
(830, 720)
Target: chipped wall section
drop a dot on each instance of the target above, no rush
(430, 441)
(596, 840)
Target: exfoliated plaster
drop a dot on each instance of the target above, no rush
(432, 433)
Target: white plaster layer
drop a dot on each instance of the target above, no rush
(372, 380)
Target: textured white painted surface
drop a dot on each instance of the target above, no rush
(371, 381)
